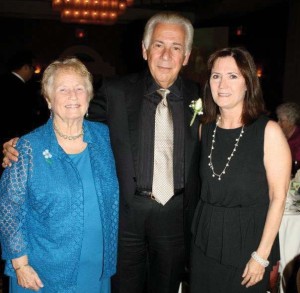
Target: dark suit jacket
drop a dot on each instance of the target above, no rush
(118, 103)
(16, 101)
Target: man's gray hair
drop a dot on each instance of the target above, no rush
(171, 18)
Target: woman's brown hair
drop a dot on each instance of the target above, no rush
(254, 104)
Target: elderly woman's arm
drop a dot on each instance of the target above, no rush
(26, 275)
(277, 162)
(13, 205)
(13, 212)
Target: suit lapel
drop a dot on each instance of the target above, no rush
(191, 132)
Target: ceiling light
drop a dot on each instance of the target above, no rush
(91, 11)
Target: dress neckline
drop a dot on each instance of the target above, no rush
(78, 154)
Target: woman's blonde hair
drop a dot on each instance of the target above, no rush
(67, 64)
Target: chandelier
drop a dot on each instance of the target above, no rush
(90, 11)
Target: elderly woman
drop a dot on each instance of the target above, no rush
(59, 202)
(245, 177)
(288, 115)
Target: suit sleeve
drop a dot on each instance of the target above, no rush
(98, 105)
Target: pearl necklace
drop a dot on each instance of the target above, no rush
(65, 136)
(211, 166)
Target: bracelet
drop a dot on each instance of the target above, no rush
(259, 259)
(22, 266)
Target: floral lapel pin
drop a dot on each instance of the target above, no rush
(47, 155)
(197, 108)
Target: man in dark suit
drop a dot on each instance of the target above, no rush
(16, 95)
(154, 235)
(151, 237)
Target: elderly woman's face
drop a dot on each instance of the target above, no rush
(69, 98)
(285, 124)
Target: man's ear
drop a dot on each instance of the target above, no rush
(186, 59)
(144, 50)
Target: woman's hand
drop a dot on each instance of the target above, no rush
(26, 275)
(28, 278)
(253, 273)
(9, 152)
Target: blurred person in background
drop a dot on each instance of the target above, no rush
(16, 96)
(288, 115)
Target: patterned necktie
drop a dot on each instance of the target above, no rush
(163, 185)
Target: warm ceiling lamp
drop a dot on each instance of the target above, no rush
(90, 11)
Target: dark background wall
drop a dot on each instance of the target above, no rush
(263, 33)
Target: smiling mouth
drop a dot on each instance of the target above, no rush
(164, 68)
(72, 106)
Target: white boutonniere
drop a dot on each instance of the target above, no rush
(197, 108)
(47, 155)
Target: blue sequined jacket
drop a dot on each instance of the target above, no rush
(41, 205)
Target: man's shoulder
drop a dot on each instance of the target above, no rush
(190, 83)
(125, 79)
(9, 78)
(191, 87)
(97, 127)
(36, 137)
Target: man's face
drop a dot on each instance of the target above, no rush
(166, 53)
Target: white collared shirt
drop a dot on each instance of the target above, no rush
(17, 75)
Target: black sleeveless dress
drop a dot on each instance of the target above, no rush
(230, 216)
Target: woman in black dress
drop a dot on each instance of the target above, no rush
(245, 171)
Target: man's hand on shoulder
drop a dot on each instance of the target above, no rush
(9, 152)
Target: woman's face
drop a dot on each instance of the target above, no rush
(69, 97)
(227, 84)
(285, 124)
